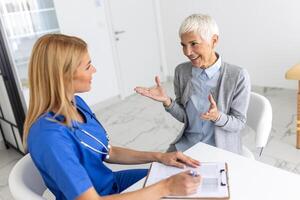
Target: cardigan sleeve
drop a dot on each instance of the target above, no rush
(235, 120)
(176, 109)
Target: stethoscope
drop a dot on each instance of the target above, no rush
(106, 148)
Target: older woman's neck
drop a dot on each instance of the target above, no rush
(212, 60)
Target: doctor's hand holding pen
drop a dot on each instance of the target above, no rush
(184, 183)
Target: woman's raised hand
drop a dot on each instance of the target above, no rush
(157, 92)
(212, 113)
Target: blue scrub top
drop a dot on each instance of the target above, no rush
(68, 167)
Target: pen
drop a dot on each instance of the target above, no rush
(193, 173)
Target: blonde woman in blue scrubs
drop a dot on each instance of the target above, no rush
(69, 145)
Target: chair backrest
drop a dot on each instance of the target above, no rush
(259, 118)
(25, 182)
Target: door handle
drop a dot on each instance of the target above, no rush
(119, 32)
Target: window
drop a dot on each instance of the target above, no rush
(23, 21)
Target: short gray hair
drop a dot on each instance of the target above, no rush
(202, 24)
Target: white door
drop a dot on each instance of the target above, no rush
(137, 44)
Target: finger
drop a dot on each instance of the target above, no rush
(141, 89)
(205, 116)
(195, 162)
(144, 92)
(157, 80)
(212, 111)
(209, 113)
(196, 183)
(191, 162)
(193, 190)
(177, 164)
(187, 160)
(211, 99)
(187, 172)
(197, 180)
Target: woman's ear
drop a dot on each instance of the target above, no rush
(214, 40)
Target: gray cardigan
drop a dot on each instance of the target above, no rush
(232, 98)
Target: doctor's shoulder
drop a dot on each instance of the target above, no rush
(46, 131)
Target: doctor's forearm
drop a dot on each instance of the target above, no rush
(127, 156)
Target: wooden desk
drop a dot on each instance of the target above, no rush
(248, 179)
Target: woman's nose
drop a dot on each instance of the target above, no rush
(188, 51)
(94, 69)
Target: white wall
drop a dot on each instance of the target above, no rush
(87, 19)
(261, 36)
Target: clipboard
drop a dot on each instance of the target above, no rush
(214, 186)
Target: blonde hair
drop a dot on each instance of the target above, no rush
(52, 64)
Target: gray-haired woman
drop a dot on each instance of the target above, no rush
(212, 96)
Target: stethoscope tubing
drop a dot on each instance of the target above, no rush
(96, 139)
(107, 148)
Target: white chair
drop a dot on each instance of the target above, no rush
(259, 119)
(25, 182)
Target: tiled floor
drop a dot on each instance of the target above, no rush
(143, 124)
(8, 158)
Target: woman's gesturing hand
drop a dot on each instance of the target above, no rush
(212, 113)
(157, 92)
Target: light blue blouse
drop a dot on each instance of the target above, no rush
(204, 82)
